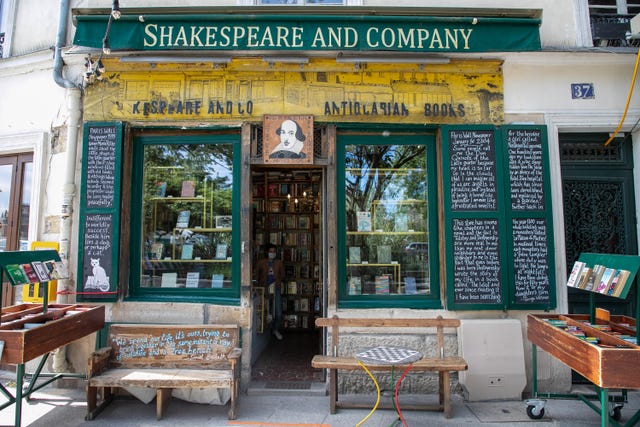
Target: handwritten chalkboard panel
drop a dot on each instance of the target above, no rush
(97, 265)
(526, 171)
(476, 260)
(530, 254)
(99, 236)
(200, 345)
(100, 166)
(472, 157)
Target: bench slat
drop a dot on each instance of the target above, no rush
(162, 378)
(448, 364)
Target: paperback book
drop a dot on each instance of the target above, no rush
(41, 271)
(364, 221)
(221, 251)
(188, 189)
(187, 251)
(16, 274)
(193, 278)
(183, 219)
(354, 255)
(355, 285)
(217, 280)
(28, 271)
(574, 276)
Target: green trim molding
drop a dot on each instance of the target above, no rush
(325, 33)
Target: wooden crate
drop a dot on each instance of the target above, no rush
(605, 367)
(28, 332)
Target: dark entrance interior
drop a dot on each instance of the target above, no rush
(287, 212)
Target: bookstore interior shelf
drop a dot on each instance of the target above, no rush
(602, 348)
(286, 213)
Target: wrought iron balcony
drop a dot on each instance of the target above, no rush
(1, 44)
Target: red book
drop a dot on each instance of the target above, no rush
(28, 271)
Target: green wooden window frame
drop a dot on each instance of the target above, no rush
(347, 138)
(227, 295)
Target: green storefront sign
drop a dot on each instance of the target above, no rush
(414, 34)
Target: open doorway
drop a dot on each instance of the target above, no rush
(287, 213)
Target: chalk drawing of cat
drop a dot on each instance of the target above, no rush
(100, 278)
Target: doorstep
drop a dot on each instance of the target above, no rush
(291, 388)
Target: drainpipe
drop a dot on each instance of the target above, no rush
(73, 97)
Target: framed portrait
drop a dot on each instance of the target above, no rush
(287, 139)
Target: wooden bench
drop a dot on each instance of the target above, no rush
(439, 363)
(164, 357)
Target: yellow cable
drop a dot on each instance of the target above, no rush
(377, 401)
(624, 115)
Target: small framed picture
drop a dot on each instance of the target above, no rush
(288, 139)
(223, 221)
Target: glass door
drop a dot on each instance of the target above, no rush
(16, 175)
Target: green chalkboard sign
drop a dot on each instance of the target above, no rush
(100, 212)
(498, 228)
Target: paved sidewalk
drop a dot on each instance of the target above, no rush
(60, 407)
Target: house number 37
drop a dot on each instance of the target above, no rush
(582, 91)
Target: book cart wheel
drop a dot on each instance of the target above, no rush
(615, 411)
(535, 409)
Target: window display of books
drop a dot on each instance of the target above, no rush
(189, 239)
(387, 249)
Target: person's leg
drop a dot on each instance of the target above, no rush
(277, 316)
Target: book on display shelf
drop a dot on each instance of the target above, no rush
(217, 280)
(363, 221)
(621, 282)
(187, 251)
(31, 275)
(188, 189)
(169, 280)
(574, 276)
(594, 279)
(584, 277)
(193, 278)
(354, 255)
(183, 219)
(16, 274)
(355, 285)
(221, 251)
(605, 281)
(156, 250)
(41, 271)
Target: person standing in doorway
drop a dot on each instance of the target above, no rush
(270, 275)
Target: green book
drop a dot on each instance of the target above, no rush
(16, 274)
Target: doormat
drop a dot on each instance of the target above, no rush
(502, 412)
(288, 385)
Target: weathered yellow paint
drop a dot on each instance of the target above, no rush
(246, 89)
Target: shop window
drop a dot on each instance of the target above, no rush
(185, 223)
(388, 222)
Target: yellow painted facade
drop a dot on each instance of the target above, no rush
(460, 92)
